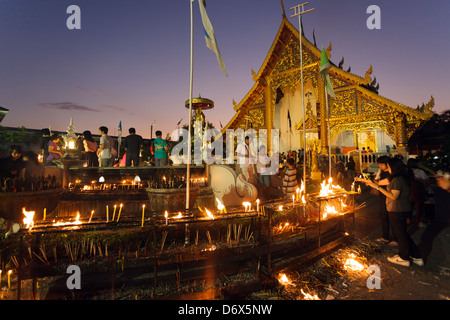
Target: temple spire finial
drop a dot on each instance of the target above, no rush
(282, 7)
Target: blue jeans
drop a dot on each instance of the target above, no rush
(160, 162)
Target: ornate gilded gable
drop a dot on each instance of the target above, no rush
(344, 105)
(370, 107)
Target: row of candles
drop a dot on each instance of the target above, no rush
(163, 183)
(169, 183)
(94, 185)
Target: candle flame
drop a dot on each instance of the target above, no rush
(28, 220)
(329, 210)
(220, 205)
(179, 216)
(210, 215)
(352, 264)
(247, 205)
(308, 296)
(76, 222)
(284, 280)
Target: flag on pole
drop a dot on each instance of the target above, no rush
(119, 136)
(289, 118)
(325, 65)
(210, 38)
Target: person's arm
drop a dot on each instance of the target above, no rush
(393, 194)
(102, 146)
(52, 149)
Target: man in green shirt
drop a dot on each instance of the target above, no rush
(160, 147)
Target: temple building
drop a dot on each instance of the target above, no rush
(358, 117)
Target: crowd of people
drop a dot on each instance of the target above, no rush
(104, 152)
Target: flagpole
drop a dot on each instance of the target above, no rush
(188, 168)
(298, 11)
(329, 134)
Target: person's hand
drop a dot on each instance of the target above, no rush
(362, 180)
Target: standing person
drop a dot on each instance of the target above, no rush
(418, 194)
(351, 165)
(399, 208)
(132, 144)
(90, 147)
(43, 143)
(160, 147)
(290, 183)
(106, 158)
(54, 150)
(340, 171)
(383, 173)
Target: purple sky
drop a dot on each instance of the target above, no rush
(130, 60)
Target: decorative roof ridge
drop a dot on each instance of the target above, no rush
(424, 115)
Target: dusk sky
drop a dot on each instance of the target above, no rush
(130, 59)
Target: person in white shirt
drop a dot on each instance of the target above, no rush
(104, 152)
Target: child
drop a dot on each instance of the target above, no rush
(290, 178)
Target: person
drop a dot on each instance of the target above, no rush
(54, 150)
(340, 171)
(104, 152)
(132, 144)
(43, 144)
(369, 150)
(399, 208)
(12, 166)
(363, 150)
(381, 174)
(263, 168)
(243, 158)
(323, 167)
(351, 165)
(418, 194)
(160, 147)
(290, 183)
(90, 147)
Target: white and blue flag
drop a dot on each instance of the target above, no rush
(210, 38)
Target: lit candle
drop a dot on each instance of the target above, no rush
(166, 216)
(293, 201)
(45, 213)
(9, 279)
(257, 206)
(298, 193)
(120, 210)
(143, 211)
(114, 213)
(90, 218)
(0, 279)
(107, 214)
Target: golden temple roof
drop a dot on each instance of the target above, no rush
(285, 32)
